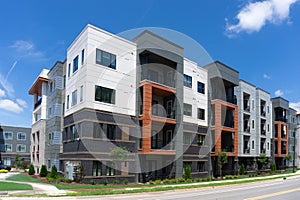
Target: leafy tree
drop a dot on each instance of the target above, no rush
(222, 160)
(273, 167)
(242, 169)
(43, 172)
(119, 155)
(18, 160)
(53, 173)
(262, 159)
(31, 170)
(187, 173)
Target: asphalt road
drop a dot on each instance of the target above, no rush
(279, 189)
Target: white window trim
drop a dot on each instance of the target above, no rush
(12, 135)
(20, 145)
(18, 136)
(10, 147)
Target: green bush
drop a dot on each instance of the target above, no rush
(93, 182)
(180, 180)
(187, 173)
(188, 180)
(53, 173)
(166, 181)
(116, 182)
(125, 181)
(242, 169)
(65, 180)
(157, 182)
(43, 172)
(273, 167)
(151, 182)
(198, 180)
(105, 182)
(228, 177)
(173, 181)
(31, 170)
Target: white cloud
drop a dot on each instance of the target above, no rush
(21, 45)
(6, 85)
(278, 93)
(255, 15)
(11, 106)
(266, 76)
(2, 93)
(296, 106)
(22, 103)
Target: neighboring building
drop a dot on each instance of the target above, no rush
(222, 81)
(297, 134)
(255, 124)
(292, 139)
(47, 116)
(14, 141)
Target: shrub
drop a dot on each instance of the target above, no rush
(198, 180)
(105, 182)
(188, 180)
(228, 177)
(242, 169)
(157, 182)
(65, 180)
(116, 182)
(151, 182)
(187, 173)
(273, 167)
(173, 180)
(180, 180)
(93, 182)
(125, 181)
(166, 181)
(53, 173)
(31, 170)
(43, 172)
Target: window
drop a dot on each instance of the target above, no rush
(98, 130)
(187, 109)
(21, 148)
(81, 93)
(64, 81)
(187, 81)
(8, 135)
(268, 109)
(105, 95)
(49, 164)
(73, 132)
(110, 171)
(268, 146)
(49, 112)
(75, 64)
(252, 104)
(268, 127)
(200, 166)
(74, 98)
(97, 168)
(21, 136)
(110, 132)
(69, 70)
(201, 113)
(7, 161)
(187, 138)
(68, 102)
(252, 124)
(8, 147)
(253, 144)
(105, 59)
(201, 139)
(51, 86)
(201, 87)
(82, 56)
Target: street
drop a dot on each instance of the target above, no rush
(278, 189)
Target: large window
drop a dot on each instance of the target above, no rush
(8, 147)
(105, 95)
(21, 148)
(187, 81)
(21, 136)
(75, 64)
(111, 132)
(8, 135)
(201, 87)
(110, 171)
(187, 109)
(201, 113)
(74, 97)
(97, 168)
(106, 59)
(200, 166)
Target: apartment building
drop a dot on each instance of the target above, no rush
(255, 124)
(47, 116)
(222, 81)
(292, 139)
(14, 141)
(297, 135)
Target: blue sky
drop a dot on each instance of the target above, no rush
(258, 38)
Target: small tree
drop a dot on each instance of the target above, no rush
(222, 160)
(43, 172)
(119, 155)
(18, 161)
(53, 173)
(242, 169)
(187, 173)
(262, 159)
(31, 170)
(79, 173)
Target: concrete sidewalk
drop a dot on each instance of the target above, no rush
(38, 188)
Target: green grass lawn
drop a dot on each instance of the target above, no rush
(74, 187)
(6, 186)
(23, 178)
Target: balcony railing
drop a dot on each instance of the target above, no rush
(38, 103)
(231, 99)
(281, 119)
(247, 151)
(162, 145)
(263, 113)
(229, 123)
(247, 129)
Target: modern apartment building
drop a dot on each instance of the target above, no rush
(255, 124)
(292, 139)
(47, 116)
(14, 141)
(297, 135)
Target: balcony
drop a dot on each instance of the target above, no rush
(37, 104)
(281, 119)
(247, 151)
(263, 127)
(263, 108)
(227, 142)
(162, 144)
(246, 123)
(246, 98)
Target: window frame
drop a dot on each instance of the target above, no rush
(103, 96)
(201, 113)
(19, 133)
(202, 91)
(184, 109)
(112, 59)
(187, 81)
(75, 64)
(12, 135)
(74, 98)
(8, 144)
(21, 145)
